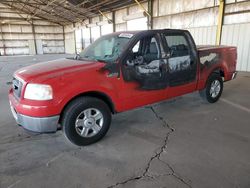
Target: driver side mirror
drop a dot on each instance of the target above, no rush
(112, 68)
(77, 56)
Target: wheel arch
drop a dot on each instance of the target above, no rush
(218, 70)
(97, 94)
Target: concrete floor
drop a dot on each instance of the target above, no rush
(184, 142)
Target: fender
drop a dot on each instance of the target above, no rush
(220, 68)
(105, 95)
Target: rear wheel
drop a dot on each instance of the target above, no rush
(214, 88)
(86, 120)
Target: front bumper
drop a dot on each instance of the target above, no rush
(36, 124)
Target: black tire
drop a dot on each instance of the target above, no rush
(205, 93)
(76, 108)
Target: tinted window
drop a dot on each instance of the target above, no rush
(177, 45)
(180, 58)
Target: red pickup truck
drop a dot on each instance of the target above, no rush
(118, 72)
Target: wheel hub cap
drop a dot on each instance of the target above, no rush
(215, 88)
(89, 122)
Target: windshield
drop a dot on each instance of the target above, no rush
(107, 48)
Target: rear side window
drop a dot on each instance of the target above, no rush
(180, 58)
(177, 45)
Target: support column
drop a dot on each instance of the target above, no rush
(74, 25)
(82, 40)
(113, 20)
(150, 11)
(90, 33)
(220, 21)
(34, 36)
(4, 50)
(64, 40)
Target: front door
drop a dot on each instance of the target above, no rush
(143, 72)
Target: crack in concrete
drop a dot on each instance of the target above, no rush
(175, 174)
(14, 184)
(156, 156)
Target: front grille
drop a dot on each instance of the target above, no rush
(17, 87)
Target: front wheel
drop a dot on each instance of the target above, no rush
(86, 120)
(214, 88)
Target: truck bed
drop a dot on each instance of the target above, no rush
(219, 57)
(213, 47)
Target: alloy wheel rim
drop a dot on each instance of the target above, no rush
(215, 88)
(89, 122)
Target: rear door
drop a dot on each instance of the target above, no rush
(182, 60)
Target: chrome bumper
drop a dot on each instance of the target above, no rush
(36, 124)
(234, 75)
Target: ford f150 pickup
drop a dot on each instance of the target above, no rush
(118, 72)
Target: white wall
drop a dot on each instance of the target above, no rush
(238, 35)
(17, 37)
(204, 35)
(69, 35)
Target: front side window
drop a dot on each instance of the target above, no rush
(107, 48)
(145, 51)
(144, 64)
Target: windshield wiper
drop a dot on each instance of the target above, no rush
(84, 59)
(101, 60)
(87, 58)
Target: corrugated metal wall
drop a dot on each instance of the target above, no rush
(18, 38)
(234, 35)
(14, 39)
(204, 35)
(238, 35)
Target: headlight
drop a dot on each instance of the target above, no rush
(38, 92)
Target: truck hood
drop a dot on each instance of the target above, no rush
(56, 68)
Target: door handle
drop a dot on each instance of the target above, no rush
(110, 75)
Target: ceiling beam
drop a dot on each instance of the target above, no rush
(17, 1)
(48, 13)
(29, 13)
(63, 12)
